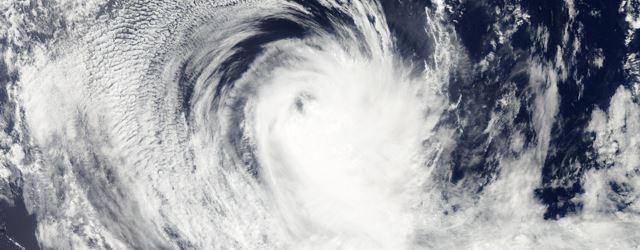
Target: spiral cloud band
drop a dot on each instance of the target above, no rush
(330, 124)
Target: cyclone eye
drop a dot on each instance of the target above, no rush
(301, 100)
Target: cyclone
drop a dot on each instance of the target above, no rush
(329, 124)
